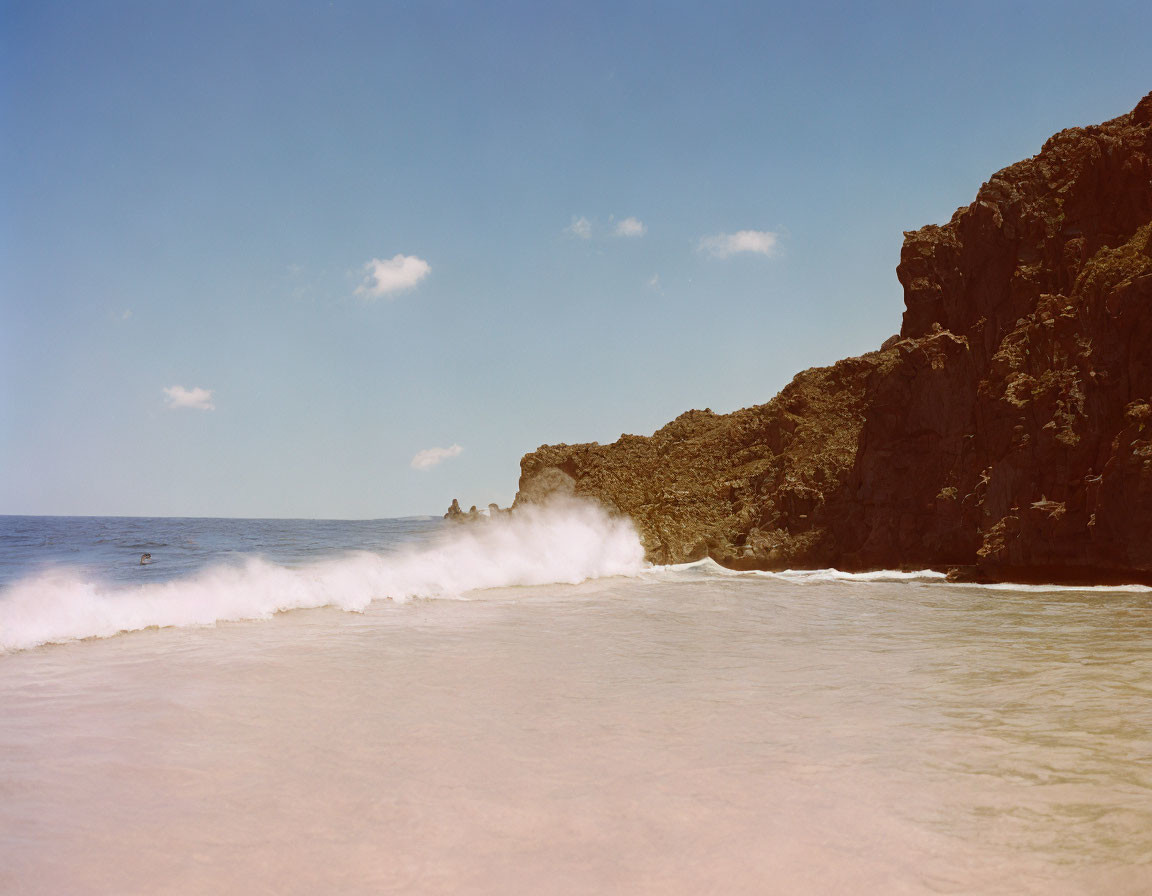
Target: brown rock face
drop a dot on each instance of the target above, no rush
(747, 488)
(1008, 429)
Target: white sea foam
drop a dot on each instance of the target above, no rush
(886, 576)
(559, 543)
(709, 568)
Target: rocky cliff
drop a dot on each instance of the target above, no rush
(1006, 432)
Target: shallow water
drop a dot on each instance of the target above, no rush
(678, 730)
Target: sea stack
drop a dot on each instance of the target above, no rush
(1005, 433)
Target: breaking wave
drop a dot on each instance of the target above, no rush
(562, 543)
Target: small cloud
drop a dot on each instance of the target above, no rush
(654, 282)
(723, 245)
(430, 457)
(383, 276)
(195, 398)
(125, 314)
(580, 227)
(631, 227)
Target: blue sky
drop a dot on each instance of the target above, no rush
(204, 209)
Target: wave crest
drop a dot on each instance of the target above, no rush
(566, 543)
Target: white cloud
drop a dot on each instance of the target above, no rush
(387, 275)
(631, 227)
(580, 227)
(654, 282)
(722, 245)
(195, 398)
(430, 457)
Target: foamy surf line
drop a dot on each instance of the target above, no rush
(934, 577)
(708, 568)
(561, 543)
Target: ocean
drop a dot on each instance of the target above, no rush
(525, 706)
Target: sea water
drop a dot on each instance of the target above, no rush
(408, 706)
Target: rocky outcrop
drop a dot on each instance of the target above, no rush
(1006, 432)
(456, 515)
(748, 488)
